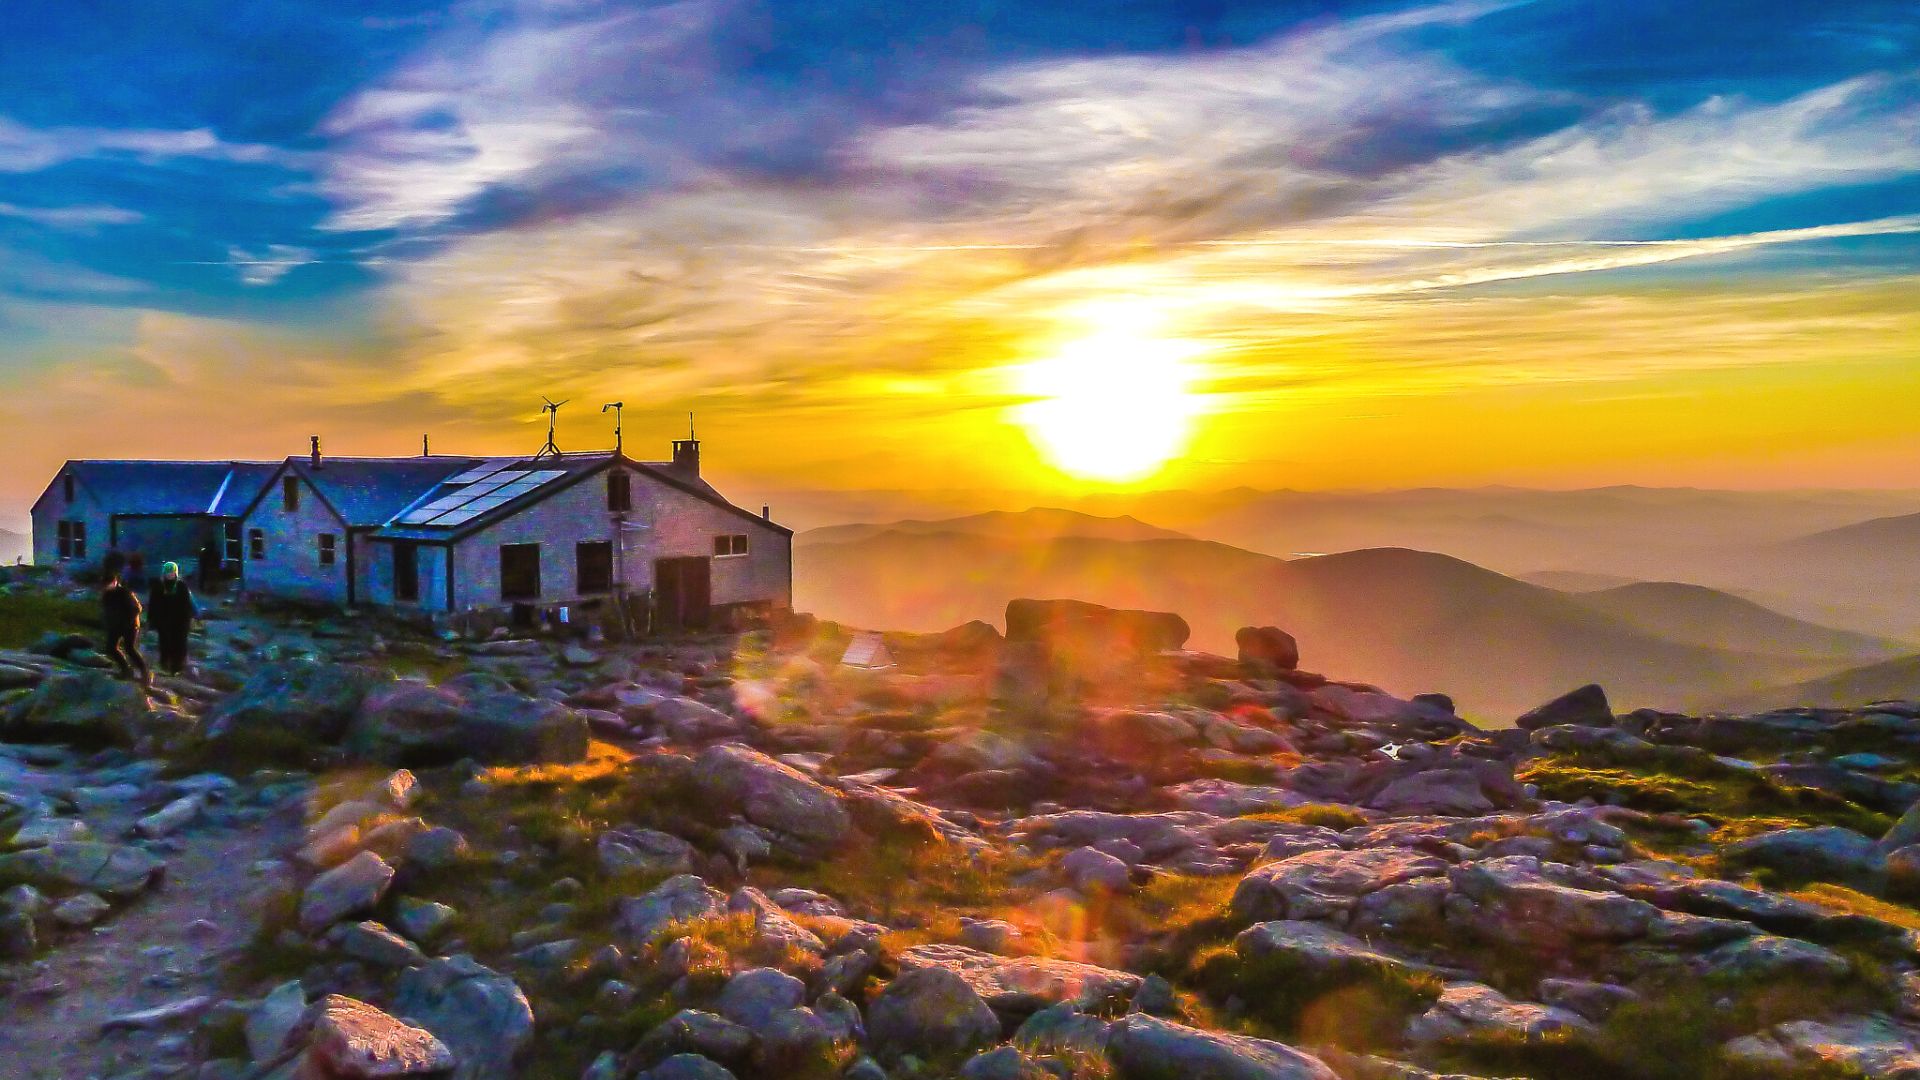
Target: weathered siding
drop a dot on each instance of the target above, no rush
(290, 566)
(53, 508)
(664, 522)
(164, 539)
(376, 576)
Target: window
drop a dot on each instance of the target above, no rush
(66, 486)
(290, 493)
(619, 492)
(519, 571)
(73, 539)
(327, 544)
(730, 545)
(256, 544)
(593, 566)
(230, 535)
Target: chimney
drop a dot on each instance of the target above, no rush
(686, 458)
(315, 440)
(766, 512)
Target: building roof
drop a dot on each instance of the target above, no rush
(367, 492)
(217, 488)
(496, 488)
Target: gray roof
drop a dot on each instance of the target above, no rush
(368, 491)
(219, 488)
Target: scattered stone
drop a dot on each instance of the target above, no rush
(1465, 1008)
(1585, 707)
(772, 795)
(1094, 871)
(353, 1040)
(1317, 884)
(80, 911)
(170, 818)
(378, 946)
(160, 1016)
(351, 888)
(1266, 649)
(677, 899)
(1143, 1047)
(479, 1013)
(114, 869)
(274, 1020)
(930, 1011)
(1018, 986)
(753, 997)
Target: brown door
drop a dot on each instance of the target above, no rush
(682, 591)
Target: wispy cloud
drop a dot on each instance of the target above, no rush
(270, 265)
(71, 217)
(26, 149)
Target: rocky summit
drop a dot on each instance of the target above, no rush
(350, 847)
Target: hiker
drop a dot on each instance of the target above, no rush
(170, 610)
(120, 614)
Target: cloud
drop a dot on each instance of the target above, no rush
(71, 217)
(554, 91)
(26, 149)
(268, 266)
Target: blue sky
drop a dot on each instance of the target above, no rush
(374, 215)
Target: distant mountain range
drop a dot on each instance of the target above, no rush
(1889, 680)
(14, 546)
(1040, 523)
(1408, 620)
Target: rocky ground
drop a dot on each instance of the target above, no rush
(348, 848)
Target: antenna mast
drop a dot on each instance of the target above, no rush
(552, 409)
(616, 406)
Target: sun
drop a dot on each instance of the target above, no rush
(1113, 406)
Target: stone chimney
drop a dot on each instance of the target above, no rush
(315, 440)
(686, 458)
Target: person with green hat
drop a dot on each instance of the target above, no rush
(170, 612)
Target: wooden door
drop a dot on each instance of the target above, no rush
(682, 593)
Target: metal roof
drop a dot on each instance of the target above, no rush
(367, 492)
(217, 488)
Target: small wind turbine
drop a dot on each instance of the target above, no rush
(552, 409)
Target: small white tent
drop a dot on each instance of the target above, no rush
(868, 652)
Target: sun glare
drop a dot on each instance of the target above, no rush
(1113, 406)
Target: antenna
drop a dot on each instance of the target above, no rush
(616, 406)
(552, 409)
(689, 425)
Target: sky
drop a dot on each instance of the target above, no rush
(1081, 245)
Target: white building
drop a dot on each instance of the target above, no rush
(451, 534)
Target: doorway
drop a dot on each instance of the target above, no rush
(406, 573)
(682, 593)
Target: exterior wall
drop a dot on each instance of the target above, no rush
(375, 569)
(164, 539)
(685, 525)
(291, 566)
(52, 508)
(676, 524)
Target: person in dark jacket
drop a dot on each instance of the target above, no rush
(120, 615)
(170, 610)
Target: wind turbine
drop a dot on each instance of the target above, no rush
(552, 409)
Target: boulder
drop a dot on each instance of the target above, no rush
(423, 725)
(1766, 957)
(1018, 986)
(930, 1011)
(1512, 899)
(1078, 627)
(644, 851)
(677, 899)
(479, 1013)
(753, 997)
(1828, 853)
(73, 865)
(1094, 871)
(1316, 884)
(291, 707)
(90, 708)
(1144, 1047)
(1367, 707)
(352, 1040)
(352, 888)
(272, 1022)
(685, 1067)
(772, 795)
(1873, 1046)
(976, 749)
(1455, 792)
(1317, 951)
(688, 721)
(692, 1031)
(1467, 1008)
(1266, 649)
(1905, 831)
(1586, 707)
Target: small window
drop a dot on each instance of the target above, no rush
(593, 566)
(619, 492)
(519, 571)
(730, 545)
(65, 530)
(66, 486)
(290, 493)
(230, 535)
(327, 543)
(256, 544)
